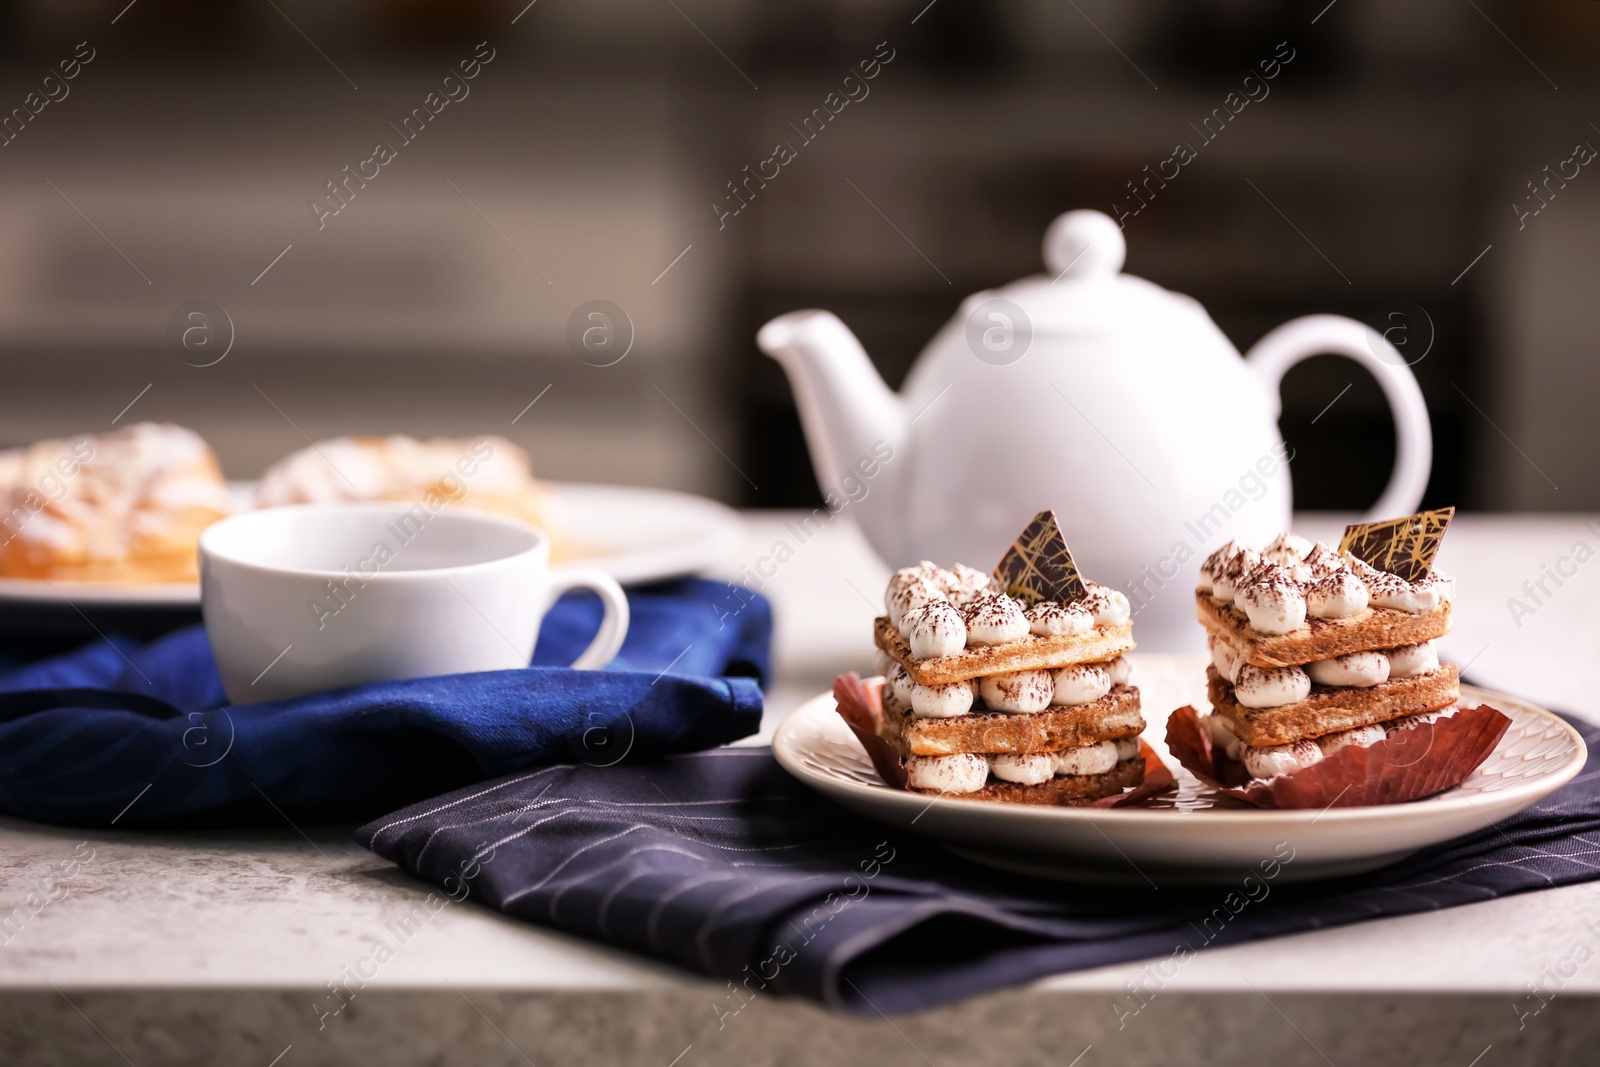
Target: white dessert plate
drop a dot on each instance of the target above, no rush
(633, 534)
(1194, 835)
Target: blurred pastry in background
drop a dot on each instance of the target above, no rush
(487, 472)
(124, 507)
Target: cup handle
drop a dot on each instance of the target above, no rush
(1313, 335)
(613, 626)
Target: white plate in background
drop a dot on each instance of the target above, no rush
(645, 535)
(1190, 837)
(634, 534)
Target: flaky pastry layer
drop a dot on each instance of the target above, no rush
(1064, 790)
(1031, 653)
(1329, 709)
(1314, 639)
(1113, 717)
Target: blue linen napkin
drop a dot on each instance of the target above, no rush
(141, 734)
(723, 864)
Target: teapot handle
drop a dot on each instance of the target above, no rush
(1313, 335)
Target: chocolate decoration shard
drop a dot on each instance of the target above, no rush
(1038, 565)
(1403, 547)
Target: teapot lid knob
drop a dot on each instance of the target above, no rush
(1083, 244)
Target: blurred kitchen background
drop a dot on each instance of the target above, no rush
(587, 158)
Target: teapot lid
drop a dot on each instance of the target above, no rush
(1086, 291)
(1084, 244)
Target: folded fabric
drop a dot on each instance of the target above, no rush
(723, 864)
(141, 734)
(697, 627)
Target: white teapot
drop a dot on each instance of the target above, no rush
(1098, 394)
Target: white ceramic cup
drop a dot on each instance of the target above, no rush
(316, 596)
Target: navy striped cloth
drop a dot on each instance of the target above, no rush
(723, 864)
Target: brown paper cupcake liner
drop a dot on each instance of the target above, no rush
(1158, 779)
(1407, 765)
(860, 705)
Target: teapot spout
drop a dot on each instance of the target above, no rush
(855, 426)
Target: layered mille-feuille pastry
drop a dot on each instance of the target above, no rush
(1314, 648)
(1010, 686)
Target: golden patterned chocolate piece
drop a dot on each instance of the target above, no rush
(1038, 565)
(1403, 547)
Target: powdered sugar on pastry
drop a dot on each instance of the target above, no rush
(50, 531)
(394, 468)
(487, 472)
(121, 507)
